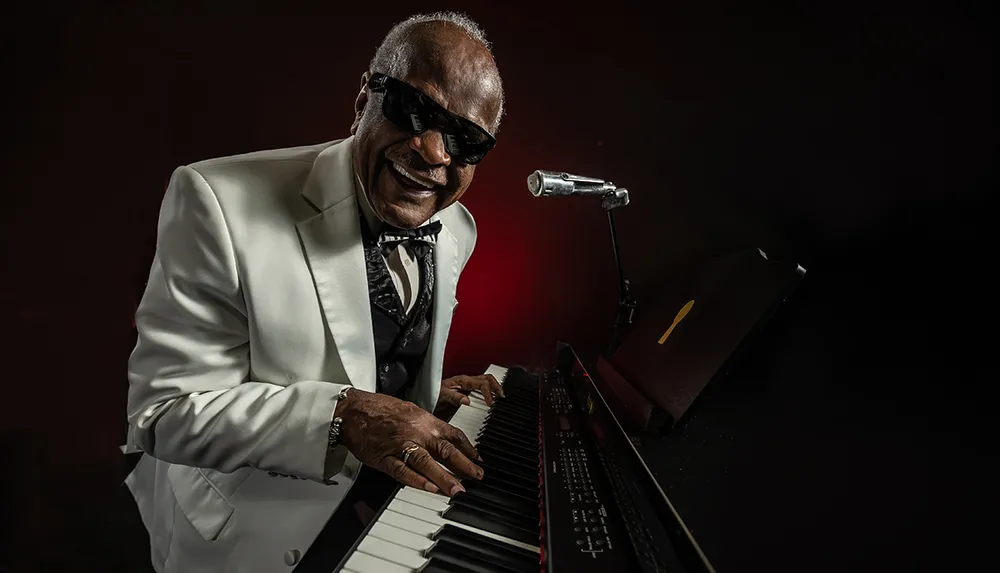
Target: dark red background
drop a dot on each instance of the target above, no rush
(853, 137)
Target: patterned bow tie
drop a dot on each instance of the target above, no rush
(420, 239)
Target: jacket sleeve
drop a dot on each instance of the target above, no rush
(191, 400)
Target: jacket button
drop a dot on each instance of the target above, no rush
(292, 557)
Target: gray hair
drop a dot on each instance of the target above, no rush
(388, 55)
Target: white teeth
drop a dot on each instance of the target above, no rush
(403, 172)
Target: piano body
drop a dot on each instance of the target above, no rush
(564, 490)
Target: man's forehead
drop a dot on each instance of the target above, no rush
(461, 78)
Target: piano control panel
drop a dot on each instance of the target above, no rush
(581, 526)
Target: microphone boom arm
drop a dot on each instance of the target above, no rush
(626, 304)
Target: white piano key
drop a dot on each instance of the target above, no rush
(413, 496)
(411, 540)
(391, 552)
(364, 563)
(468, 419)
(498, 372)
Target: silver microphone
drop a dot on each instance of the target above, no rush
(555, 183)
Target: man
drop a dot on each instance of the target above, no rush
(295, 319)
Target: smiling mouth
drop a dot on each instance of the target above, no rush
(410, 181)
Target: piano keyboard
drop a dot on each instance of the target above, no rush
(493, 527)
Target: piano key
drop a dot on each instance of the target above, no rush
(497, 481)
(519, 449)
(501, 498)
(365, 563)
(508, 473)
(510, 454)
(481, 520)
(436, 519)
(429, 529)
(415, 497)
(473, 560)
(410, 540)
(467, 538)
(391, 552)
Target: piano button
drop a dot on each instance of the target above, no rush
(480, 520)
(462, 536)
(473, 560)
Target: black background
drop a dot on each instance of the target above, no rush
(853, 136)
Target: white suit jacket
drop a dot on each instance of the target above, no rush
(255, 316)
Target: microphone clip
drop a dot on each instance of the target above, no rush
(613, 199)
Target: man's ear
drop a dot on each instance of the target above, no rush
(360, 103)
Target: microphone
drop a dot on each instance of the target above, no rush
(554, 183)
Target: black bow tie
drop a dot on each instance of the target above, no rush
(420, 239)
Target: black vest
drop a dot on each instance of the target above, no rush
(401, 341)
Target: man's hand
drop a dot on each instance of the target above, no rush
(455, 390)
(377, 428)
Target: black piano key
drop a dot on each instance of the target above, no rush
(528, 511)
(439, 566)
(509, 473)
(474, 517)
(475, 558)
(458, 534)
(529, 522)
(501, 497)
(516, 408)
(523, 413)
(515, 467)
(508, 453)
(498, 482)
(526, 441)
(494, 441)
(512, 427)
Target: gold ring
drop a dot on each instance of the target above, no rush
(406, 453)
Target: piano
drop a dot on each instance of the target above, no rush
(564, 490)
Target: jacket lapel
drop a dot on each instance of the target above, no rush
(446, 263)
(332, 243)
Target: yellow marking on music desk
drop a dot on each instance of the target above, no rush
(677, 319)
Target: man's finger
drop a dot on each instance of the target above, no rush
(460, 440)
(480, 384)
(422, 462)
(404, 475)
(453, 397)
(446, 453)
(495, 385)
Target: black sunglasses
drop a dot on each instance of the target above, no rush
(414, 111)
